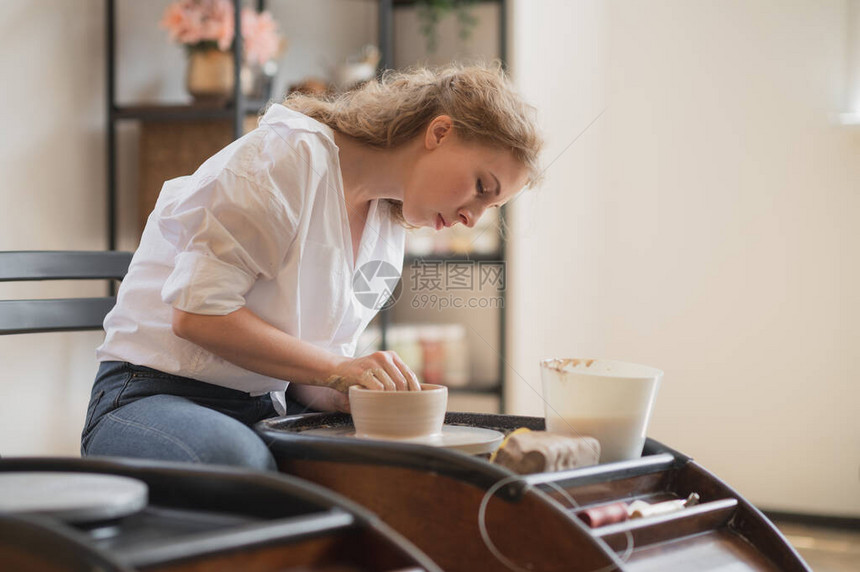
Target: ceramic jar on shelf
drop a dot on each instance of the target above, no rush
(432, 343)
(404, 341)
(456, 355)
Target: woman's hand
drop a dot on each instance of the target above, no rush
(382, 370)
(339, 402)
(318, 398)
(243, 338)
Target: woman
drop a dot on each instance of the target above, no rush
(238, 303)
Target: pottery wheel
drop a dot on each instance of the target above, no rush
(71, 497)
(463, 438)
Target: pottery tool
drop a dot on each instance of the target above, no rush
(611, 513)
(642, 509)
(606, 514)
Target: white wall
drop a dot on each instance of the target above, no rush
(52, 168)
(852, 76)
(705, 225)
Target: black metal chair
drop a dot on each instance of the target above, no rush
(65, 314)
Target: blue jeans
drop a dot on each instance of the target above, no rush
(136, 411)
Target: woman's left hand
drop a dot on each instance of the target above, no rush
(319, 398)
(340, 401)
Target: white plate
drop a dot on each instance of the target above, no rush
(469, 440)
(72, 497)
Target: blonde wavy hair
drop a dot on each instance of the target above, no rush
(398, 107)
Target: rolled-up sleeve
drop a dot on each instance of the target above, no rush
(229, 232)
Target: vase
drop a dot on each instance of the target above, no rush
(209, 77)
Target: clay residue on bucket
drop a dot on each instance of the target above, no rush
(562, 365)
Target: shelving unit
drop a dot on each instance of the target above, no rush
(183, 112)
(240, 106)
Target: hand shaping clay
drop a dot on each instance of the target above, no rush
(526, 452)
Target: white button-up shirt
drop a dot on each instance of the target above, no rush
(263, 224)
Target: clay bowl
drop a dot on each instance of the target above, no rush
(398, 414)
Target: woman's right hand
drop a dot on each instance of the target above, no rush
(383, 370)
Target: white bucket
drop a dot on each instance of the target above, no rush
(606, 399)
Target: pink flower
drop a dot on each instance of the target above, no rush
(192, 22)
(260, 35)
(173, 20)
(221, 27)
(183, 23)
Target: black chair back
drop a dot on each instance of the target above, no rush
(59, 314)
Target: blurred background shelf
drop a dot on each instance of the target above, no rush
(178, 112)
(497, 258)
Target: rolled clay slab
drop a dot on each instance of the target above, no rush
(526, 452)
